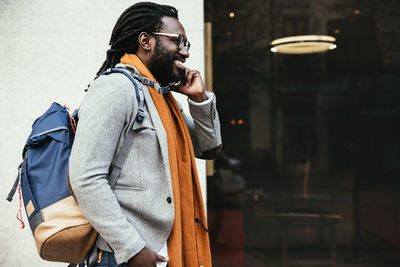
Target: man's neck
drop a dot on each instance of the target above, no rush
(144, 57)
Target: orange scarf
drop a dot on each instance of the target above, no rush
(188, 243)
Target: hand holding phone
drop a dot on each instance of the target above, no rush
(191, 84)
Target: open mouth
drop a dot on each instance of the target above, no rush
(179, 69)
(179, 64)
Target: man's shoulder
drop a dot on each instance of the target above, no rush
(111, 92)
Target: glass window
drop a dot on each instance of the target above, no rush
(310, 169)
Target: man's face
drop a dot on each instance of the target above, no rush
(167, 59)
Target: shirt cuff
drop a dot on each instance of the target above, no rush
(210, 98)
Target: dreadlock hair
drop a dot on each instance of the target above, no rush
(141, 17)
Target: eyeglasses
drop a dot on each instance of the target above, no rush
(180, 39)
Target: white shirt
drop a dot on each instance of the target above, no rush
(163, 252)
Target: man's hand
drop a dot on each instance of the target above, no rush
(192, 86)
(146, 258)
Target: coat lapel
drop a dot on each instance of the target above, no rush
(159, 127)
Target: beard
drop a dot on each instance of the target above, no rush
(162, 65)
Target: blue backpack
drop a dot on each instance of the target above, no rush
(61, 231)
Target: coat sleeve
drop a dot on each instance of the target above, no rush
(104, 116)
(204, 127)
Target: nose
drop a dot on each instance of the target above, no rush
(184, 52)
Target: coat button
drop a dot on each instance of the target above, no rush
(169, 200)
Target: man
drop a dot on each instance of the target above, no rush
(155, 215)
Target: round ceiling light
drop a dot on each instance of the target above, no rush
(303, 44)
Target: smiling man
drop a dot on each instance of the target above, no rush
(155, 214)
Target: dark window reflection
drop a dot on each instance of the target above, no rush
(310, 173)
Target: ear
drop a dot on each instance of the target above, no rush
(145, 41)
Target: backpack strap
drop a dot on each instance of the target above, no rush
(126, 147)
(119, 163)
(16, 182)
(160, 89)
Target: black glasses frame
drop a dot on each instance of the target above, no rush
(183, 42)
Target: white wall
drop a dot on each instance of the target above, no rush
(50, 51)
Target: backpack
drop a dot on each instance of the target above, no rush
(61, 231)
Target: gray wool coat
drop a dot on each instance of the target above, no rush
(139, 212)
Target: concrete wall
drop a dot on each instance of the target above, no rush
(50, 51)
